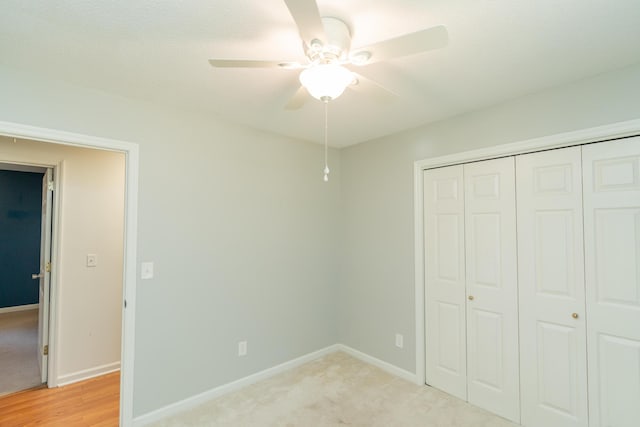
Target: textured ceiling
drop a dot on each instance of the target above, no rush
(157, 50)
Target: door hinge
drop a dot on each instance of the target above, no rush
(45, 350)
(50, 185)
(47, 267)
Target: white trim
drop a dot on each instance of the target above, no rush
(18, 308)
(198, 399)
(567, 139)
(131, 152)
(19, 167)
(419, 303)
(129, 287)
(54, 293)
(385, 366)
(54, 136)
(88, 374)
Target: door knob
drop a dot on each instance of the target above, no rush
(470, 297)
(574, 315)
(36, 276)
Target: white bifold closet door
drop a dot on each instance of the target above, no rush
(471, 284)
(553, 359)
(612, 251)
(446, 362)
(492, 287)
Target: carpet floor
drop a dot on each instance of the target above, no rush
(336, 390)
(18, 351)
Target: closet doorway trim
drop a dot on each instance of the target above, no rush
(561, 140)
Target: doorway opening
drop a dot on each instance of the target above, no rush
(25, 252)
(67, 369)
(86, 298)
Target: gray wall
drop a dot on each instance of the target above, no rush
(249, 243)
(239, 223)
(376, 295)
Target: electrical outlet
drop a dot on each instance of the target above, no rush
(399, 340)
(242, 348)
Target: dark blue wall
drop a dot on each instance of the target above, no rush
(20, 212)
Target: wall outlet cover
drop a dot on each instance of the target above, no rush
(399, 341)
(242, 348)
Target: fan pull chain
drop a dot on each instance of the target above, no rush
(326, 132)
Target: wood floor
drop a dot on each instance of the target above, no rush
(95, 402)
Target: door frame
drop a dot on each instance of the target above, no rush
(561, 140)
(44, 282)
(131, 152)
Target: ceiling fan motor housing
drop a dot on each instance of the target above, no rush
(338, 42)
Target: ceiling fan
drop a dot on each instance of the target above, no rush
(327, 46)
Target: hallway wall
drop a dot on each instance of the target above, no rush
(91, 221)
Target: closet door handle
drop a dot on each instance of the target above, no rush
(470, 297)
(574, 315)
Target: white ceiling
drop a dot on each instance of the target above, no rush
(157, 50)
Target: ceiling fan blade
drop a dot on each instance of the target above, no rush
(298, 99)
(409, 44)
(242, 63)
(373, 89)
(307, 17)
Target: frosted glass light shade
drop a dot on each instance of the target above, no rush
(326, 80)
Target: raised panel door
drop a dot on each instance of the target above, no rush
(445, 335)
(492, 289)
(551, 289)
(612, 254)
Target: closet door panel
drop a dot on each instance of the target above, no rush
(551, 289)
(612, 254)
(446, 362)
(492, 304)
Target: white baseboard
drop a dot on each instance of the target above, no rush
(385, 366)
(18, 308)
(193, 401)
(87, 374)
(208, 395)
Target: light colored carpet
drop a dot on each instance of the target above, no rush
(18, 351)
(336, 390)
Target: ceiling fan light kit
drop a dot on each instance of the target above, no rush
(327, 45)
(326, 81)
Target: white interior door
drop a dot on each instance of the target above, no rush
(551, 289)
(445, 333)
(492, 287)
(45, 273)
(612, 253)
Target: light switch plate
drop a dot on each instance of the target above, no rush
(146, 270)
(92, 260)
